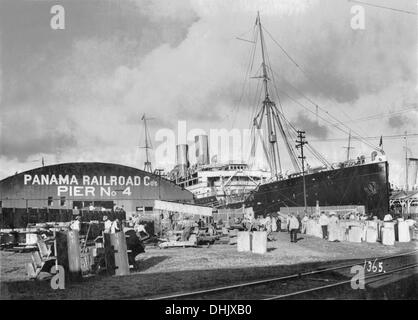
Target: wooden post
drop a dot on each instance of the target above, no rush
(55, 249)
(109, 254)
(118, 241)
(74, 259)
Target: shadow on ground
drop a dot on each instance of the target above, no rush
(148, 263)
(142, 285)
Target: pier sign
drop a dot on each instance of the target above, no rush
(89, 186)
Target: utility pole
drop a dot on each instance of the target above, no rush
(299, 144)
(406, 161)
(148, 145)
(349, 146)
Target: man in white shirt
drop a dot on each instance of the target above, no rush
(334, 218)
(107, 224)
(324, 221)
(293, 227)
(140, 229)
(115, 227)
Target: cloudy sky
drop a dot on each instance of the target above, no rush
(77, 94)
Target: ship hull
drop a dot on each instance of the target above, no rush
(365, 185)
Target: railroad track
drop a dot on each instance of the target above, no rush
(305, 284)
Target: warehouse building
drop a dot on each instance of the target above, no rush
(89, 184)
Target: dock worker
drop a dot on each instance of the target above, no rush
(324, 221)
(140, 231)
(333, 217)
(107, 224)
(305, 220)
(300, 221)
(267, 223)
(288, 221)
(293, 227)
(76, 224)
(116, 226)
(279, 223)
(273, 224)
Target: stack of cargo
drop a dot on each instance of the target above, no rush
(372, 231)
(388, 233)
(259, 242)
(244, 241)
(334, 232)
(403, 232)
(255, 242)
(355, 234)
(365, 231)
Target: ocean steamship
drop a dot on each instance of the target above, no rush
(359, 182)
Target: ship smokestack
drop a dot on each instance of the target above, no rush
(182, 156)
(202, 149)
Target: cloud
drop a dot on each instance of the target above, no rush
(311, 127)
(157, 10)
(399, 121)
(33, 135)
(180, 60)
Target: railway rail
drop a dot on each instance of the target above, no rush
(305, 283)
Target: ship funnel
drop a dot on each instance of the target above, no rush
(182, 156)
(202, 149)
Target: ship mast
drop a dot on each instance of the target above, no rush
(267, 106)
(147, 163)
(349, 147)
(272, 114)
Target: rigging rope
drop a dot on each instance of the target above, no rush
(383, 7)
(310, 100)
(249, 69)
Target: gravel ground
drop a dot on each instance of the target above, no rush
(176, 269)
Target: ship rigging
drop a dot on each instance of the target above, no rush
(351, 182)
(270, 119)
